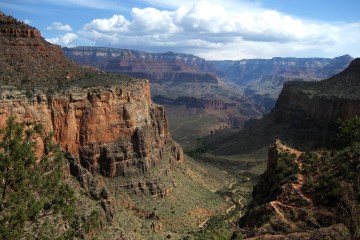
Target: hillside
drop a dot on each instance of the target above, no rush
(305, 196)
(28, 59)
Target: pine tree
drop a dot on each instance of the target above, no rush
(35, 203)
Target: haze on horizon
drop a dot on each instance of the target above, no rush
(212, 29)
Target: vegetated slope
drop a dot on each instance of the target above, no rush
(185, 84)
(263, 79)
(306, 196)
(26, 58)
(127, 173)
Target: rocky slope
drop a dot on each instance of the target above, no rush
(305, 196)
(263, 78)
(26, 58)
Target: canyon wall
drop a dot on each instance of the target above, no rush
(115, 131)
(109, 123)
(313, 108)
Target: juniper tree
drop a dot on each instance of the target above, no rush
(35, 203)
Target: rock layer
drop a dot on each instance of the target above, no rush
(116, 131)
(107, 122)
(313, 108)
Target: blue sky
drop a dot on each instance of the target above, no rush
(213, 29)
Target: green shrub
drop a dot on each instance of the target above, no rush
(34, 200)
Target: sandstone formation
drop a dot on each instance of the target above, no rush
(109, 123)
(116, 131)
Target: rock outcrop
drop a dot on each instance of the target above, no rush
(109, 123)
(290, 201)
(318, 105)
(116, 131)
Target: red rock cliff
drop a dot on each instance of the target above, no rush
(109, 123)
(116, 130)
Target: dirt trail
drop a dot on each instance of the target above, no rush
(275, 204)
(183, 123)
(203, 223)
(301, 179)
(297, 186)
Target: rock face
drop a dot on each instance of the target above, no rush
(109, 123)
(308, 105)
(263, 79)
(115, 131)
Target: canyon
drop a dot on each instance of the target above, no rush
(113, 129)
(126, 170)
(187, 86)
(121, 159)
(206, 96)
(307, 188)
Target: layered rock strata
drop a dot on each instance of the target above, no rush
(116, 131)
(109, 123)
(313, 108)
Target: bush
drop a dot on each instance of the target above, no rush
(349, 132)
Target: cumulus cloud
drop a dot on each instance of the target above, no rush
(67, 40)
(204, 26)
(27, 21)
(59, 26)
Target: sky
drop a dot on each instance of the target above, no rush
(211, 29)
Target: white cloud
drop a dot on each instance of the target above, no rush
(219, 31)
(67, 40)
(115, 24)
(27, 21)
(59, 26)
